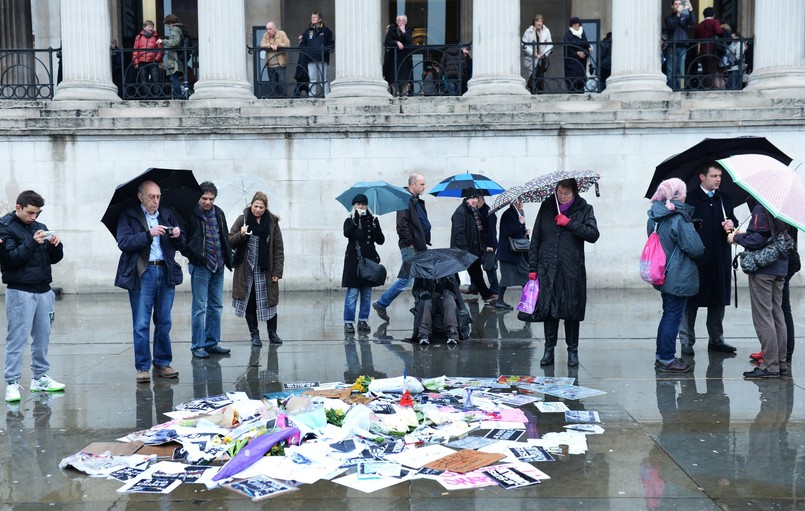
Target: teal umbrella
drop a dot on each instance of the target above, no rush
(383, 197)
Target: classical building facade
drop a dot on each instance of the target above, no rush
(76, 147)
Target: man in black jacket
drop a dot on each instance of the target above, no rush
(209, 253)
(714, 210)
(468, 232)
(27, 252)
(413, 228)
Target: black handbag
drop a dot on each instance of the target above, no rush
(519, 244)
(369, 272)
(489, 262)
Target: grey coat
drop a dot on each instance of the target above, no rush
(682, 246)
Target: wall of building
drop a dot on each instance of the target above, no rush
(307, 152)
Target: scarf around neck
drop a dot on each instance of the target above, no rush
(578, 32)
(564, 207)
(262, 230)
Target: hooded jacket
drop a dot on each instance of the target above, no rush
(682, 245)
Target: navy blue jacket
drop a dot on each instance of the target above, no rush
(319, 40)
(134, 241)
(510, 227)
(24, 262)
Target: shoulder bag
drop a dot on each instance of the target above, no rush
(519, 244)
(369, 272)
(753, 260)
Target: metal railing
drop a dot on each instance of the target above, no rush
(28, 74)
(146, 78)
(428, 70)
(706, 64)
(564, 71)
(286, 72)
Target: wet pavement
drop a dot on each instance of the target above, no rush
(703, 440)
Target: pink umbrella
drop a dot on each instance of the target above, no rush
(774, 184)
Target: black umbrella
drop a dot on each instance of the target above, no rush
(179, 188)
(437, 263)
(685, 165)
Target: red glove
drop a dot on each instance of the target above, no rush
(562, 220)
(532, 275)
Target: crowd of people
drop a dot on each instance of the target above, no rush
(695, 227)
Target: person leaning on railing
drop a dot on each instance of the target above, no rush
(174, 67)
(276, 60)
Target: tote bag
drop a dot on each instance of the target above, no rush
(652, 260)
(528, 300)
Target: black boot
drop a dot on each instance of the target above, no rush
(254, 331)
(572, 338)
(551, 328)
(272, 331)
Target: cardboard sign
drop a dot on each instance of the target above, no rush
(465, 461)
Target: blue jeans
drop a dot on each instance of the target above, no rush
(351, 299)
(398, 285)
(675, 65)
(207, 288)
(672, 309)
(176, 86)
(29, 316)
(155, 294)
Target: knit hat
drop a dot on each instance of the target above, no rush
(574, 20)
(360, 199)
(670, 189)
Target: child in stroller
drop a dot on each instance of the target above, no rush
(439, 311)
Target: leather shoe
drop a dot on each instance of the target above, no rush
(218, 350)
(687, 349)
(348, 328)
(760, 373)
(503, 306)
(200, 353)
(721, 346)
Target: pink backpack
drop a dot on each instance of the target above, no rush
(652, 260)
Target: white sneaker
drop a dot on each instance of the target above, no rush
(46, 384)
(424, 341)
(13, 392)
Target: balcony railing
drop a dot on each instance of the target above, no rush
(28, 74)
(706, 64)
(564, 71)
(428, 70)
(285, 73)
(146, 78)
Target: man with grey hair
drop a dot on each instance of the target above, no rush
(276, 60)
(413, 229)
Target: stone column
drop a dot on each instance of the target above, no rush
(779, 50)
(358, 57)
(636, 61)
(496, 49)
(222, 51)
(86, 61)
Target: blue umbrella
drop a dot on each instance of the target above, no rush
(456, 186)
(383, 197)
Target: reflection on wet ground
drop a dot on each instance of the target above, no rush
(703, 440)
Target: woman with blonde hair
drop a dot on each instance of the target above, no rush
(672, 219)
(259, 260)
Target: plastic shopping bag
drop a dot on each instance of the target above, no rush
(528, 300)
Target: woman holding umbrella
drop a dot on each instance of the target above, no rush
(259, 260)
(766, 293)
(564, 222)
(363, 231)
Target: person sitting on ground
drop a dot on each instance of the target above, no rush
(437, 305)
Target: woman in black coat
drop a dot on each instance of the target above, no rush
(564, 222)
(513, 265)
(396, 65)
(363, 229)
(577, 51)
